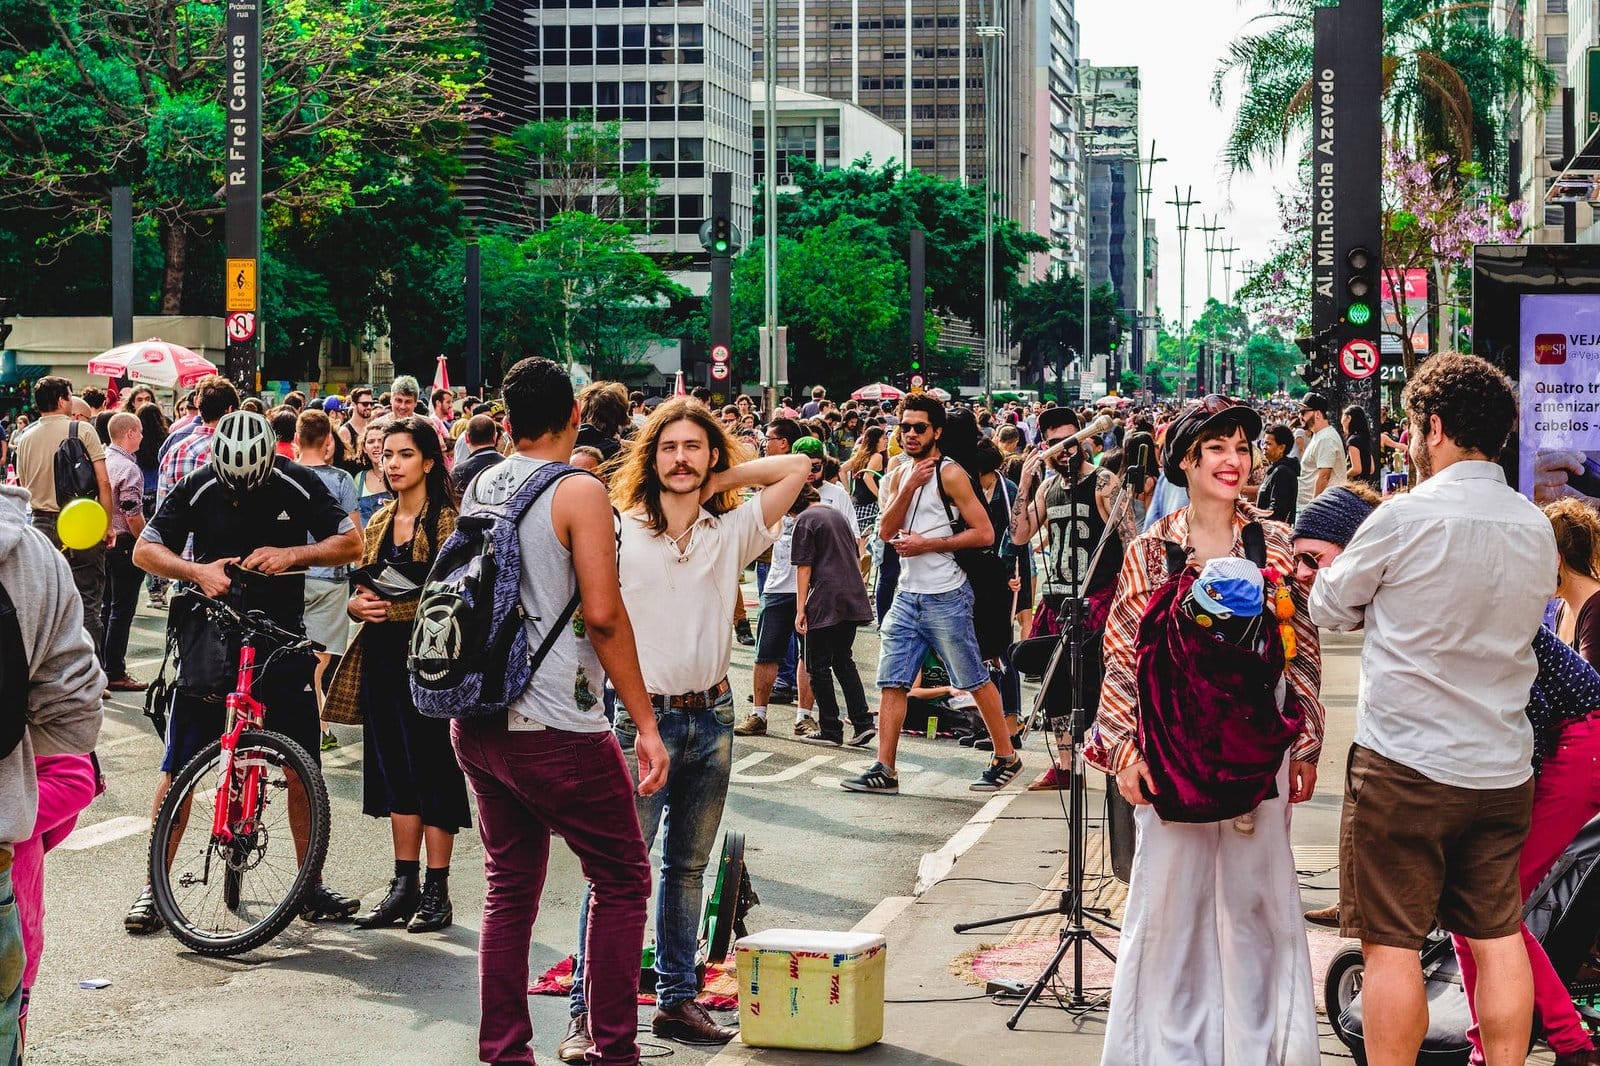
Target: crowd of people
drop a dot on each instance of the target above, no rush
(1190, 551)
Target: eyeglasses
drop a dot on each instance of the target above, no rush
(1307, 560)
(916, 427)
(1050, 442)
(363, 403)
(775, 436)
(1213, 404)
(816, 468)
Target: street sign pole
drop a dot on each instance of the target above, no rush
(242, 167)
(1358, 166)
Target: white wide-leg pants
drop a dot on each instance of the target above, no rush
(1213, 967)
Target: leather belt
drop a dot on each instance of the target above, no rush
(694, 701)
(5, 859)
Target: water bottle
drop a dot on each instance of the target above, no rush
(11, 474)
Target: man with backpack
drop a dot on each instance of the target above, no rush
(548, 764)
(59, 460)
(685, 539)
(934, 603)
(50, 685)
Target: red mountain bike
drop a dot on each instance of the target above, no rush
(243, 831)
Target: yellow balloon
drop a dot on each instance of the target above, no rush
(82, 524)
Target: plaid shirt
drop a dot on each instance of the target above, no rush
(1113, 743)
(187, 456)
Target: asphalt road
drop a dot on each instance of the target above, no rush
(820, 858)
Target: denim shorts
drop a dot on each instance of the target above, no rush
(12, 960)
(941, 622)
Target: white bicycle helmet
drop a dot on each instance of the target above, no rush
(242, 451)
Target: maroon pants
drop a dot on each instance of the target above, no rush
(530, 785)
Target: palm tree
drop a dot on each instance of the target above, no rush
(1447, 78)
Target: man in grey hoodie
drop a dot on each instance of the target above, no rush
(63, 712)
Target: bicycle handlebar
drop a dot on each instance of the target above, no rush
(254, 624)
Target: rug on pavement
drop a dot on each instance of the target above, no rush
(721, 991)
(1028, 946)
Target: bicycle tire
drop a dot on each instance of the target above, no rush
(290, 755)
(722, 908)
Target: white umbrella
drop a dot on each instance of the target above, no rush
(877, 391)
(939, 394)
(153, 362)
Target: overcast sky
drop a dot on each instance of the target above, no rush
(1176, 45)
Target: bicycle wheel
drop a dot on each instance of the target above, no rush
(223, 898)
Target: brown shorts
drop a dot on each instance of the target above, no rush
(1412, 850)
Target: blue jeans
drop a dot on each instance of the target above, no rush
(12, 958)
(689, 807)
(940, 622)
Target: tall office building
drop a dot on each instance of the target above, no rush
(1114, 181)
(1054, 191)
(676, 74)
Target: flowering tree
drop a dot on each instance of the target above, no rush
(1434, 212)
(1277, 290)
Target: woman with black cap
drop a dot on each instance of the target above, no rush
(1219, 974)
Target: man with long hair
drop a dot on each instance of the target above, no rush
(684, 540)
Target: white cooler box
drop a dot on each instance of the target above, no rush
(811, 990)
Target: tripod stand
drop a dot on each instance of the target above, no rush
(1069, 651)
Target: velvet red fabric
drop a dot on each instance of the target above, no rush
(1209, 723)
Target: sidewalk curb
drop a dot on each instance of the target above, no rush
(934, 866)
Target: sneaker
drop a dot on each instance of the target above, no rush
(783, 695)
(753, 725)
(998, 775)
(806, 727)
(878, 779)
(864, 737)
(823, 742)
(329, 741)
(324, 904)
(142, 919)
(1053, 779)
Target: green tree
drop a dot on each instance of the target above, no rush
(846, 300)
(1047, 325)
(577, 291)
(572, 165)
(1268, 363)
(949, 213)
(94, 95)
(1448, 74)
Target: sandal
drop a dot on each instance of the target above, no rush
(142, 919)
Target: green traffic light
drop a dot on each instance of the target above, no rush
(721, 246)
(1358, 314)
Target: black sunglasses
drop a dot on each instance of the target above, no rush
(915, 427)
(1307, 560)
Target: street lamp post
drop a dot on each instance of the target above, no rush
(1210, 230)
(769, 199)
(1183, 203)
(992, 36)
(1146, 188)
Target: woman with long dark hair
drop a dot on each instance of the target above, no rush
(154, 426)
(1360, 451)
(410, 773)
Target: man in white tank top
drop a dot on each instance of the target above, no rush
(933, 604)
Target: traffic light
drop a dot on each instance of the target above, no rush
(721, 235)
(1318, 371)
(916, 356)
(1360, 283)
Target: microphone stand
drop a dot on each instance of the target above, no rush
(1069, 651)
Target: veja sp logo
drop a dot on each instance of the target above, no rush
(1550, 349)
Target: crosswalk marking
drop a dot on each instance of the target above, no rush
(89, 836)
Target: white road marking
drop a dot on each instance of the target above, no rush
(936, 864)
(90, 836)
(744, 777)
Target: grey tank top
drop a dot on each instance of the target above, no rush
(565, 692)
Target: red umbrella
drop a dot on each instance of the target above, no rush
(677, 385)
(153, 362)
(441, 375)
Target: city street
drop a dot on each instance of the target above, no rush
(819, 858)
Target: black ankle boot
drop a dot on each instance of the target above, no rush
(397, 907)
(435, 911)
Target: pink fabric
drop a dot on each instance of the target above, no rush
(1565, 797)
(66, 787)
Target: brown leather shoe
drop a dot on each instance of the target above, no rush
(127, 683)
(575, 1046)
(688, 1023)
(1326, 917)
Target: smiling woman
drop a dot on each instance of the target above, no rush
(1224, 816)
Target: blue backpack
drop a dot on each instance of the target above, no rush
(470, 654)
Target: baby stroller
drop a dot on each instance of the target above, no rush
(1563, 913)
